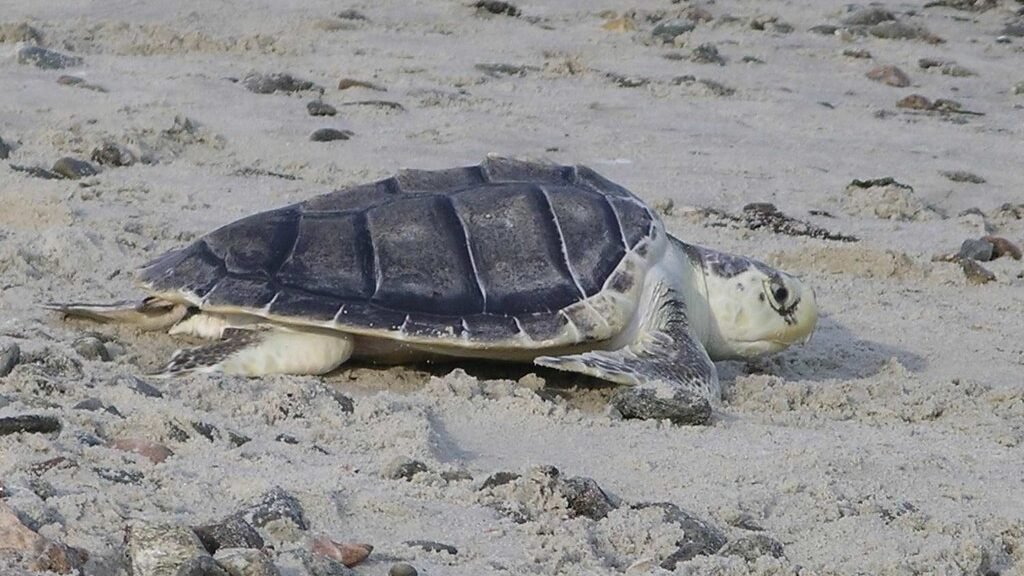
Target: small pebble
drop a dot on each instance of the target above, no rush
(138, 385)
(1003, 247)
(431, 546)
(46, 59)
(119, 476)
(111, 154)
(349, 554)
(915, 102)
(889, 75)
(585, 498)
(10, 355)
(1018, 88)
(707, 54)
(497, 7)
(73, 169)
(963, 176)
(352, 14)
(231, 532)
(96, 405)
(152, 451)
(270, 83)
(823, 29)
(330, 135)
(246, 562)
(346, 83)
(277, 504)
(868, 17)
(91, 348)
(683, 408)
(318, 108)
(667, 30)
(750, 547)
(30, 424)
(856, 53)
(499, 479)
(5, 150)
(402, 468)
(957, 71)
(976, 273)
(66, 80)
(402, 569)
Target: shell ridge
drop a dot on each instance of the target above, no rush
(469, 252)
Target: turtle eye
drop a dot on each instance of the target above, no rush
(781, 294)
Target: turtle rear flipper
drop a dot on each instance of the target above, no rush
(669, 372)
(264, 349)
(149, 314)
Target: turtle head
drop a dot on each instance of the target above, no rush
(754, 308)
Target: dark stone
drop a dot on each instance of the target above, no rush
(431, 546)
(499, 479)
(707, 54)
(96, 405)
(868, 17)
(73, 169)
(586, 498)
(320, 108)
(10, 355)
(699, 537)
(46, 59)
(750, 547)
(684, 407)
(667, 30)
(276, 504)
(402, 468)
(976, 249)
(976, 273)
(823, 29)
(29, 423)
(318, 565)
(110, 154)
(963, 176)
(5, 150)
(287, 439)
(119, 476)
(346, 403)
(138, 385)
(237, 439)
(37, 172)
(330, 135)
(351, 14)
(270, 83)
(231, 532)
(497, 7)
(208, 431)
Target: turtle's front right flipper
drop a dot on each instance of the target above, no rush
(149, 314)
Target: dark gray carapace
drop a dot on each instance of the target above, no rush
(487, 249)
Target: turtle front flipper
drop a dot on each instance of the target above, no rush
(669, 372)
(150, 314)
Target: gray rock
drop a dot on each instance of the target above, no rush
(270, 83)
(868, 17)
(699, 537)
(46, 59)
(707, 54)
(29, 423)
(10, 355)
(402, 569)
(137, 385)
(823, 29)
(232, 532)
(586, 498)
(330, 135)
(402, 468)
(73, 169)
(168, 550)
(499, 479)
(96, 405)
(667, 30)
(119, 476)
(890, 75)
(750, 547)
(1015, 30)
(684, 407)
(5, 150)
(110, 154)
(91, 348)
(320, 108)
(344, 402)
(37, 172)
(497, 7)
(246, 562)
(976, 273)
(976, 249)
(431, 546)
(276, 504)
(963, 176)
(317, 565)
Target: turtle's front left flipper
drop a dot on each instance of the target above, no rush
(149, 314)
(669, 372)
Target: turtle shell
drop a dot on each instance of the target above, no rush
(503, 251)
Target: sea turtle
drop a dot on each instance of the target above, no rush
(508, 260)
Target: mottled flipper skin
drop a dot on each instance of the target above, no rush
(669, 372)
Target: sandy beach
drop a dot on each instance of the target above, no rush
(892, 443)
